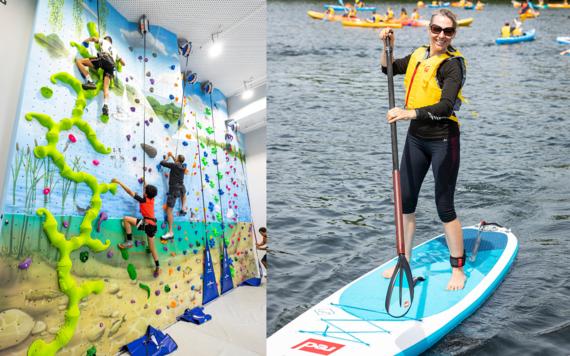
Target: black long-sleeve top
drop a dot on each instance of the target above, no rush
(177, 170)
(432, 122)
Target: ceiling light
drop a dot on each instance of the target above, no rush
(216, 47)
(248, 91)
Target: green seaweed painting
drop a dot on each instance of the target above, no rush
(78, 17)
(66, 283)
(56, 14)
(103, 14)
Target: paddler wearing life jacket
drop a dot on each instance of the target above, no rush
(403, 14)
(415, 15)
(375, 18)
(349, 11)
(514, 30)
(434, 76)
(525, 10)
(389, 14)
(359, 4)
(329, 12)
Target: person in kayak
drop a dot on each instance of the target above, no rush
(106, 59)
(359, 4)
(349, 11)
(514, 30)
(403, 14)
(435, 75)
(329, 12)
(565, 52)
(375, 18)
(415, 15)
(389, 14)
(524, 11)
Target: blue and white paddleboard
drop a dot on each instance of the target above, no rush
(353, 321)
(564, 40)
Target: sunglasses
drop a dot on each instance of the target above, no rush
(448, 31)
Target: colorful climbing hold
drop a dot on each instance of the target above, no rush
(84, 256)
(72, 138)
(158, 311)
(25, 264)
(110, 254)
(132, 271)
(46, 191)
(95, 162)
(46, 92)
(65, 224)
(125, 254)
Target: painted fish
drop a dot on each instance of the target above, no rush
(116, 326)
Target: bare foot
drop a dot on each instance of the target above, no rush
(387, 273)
(457, 281)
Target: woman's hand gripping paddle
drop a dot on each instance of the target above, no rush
(397, 305)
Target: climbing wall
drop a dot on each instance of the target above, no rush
(65, 285)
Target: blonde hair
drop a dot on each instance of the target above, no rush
(447, 13)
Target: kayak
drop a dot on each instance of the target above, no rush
(403, 22)
(469, 7)
(537, 6)
(516, 4)
(527, 36)
(465, 22)
(558, 6)
(458, 4)
(478, 7)
(354, 321)
(532, 15)
(371, 25)
(420, 23)
(340, 8)
(565, 40)
(321, 16)
(446, 4)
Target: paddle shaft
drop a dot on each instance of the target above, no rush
(395, 163)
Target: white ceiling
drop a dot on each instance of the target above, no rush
(243, 36)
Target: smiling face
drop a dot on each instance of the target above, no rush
(440, 41)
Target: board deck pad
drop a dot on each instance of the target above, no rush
(357, 317)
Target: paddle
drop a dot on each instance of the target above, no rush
(401, 304)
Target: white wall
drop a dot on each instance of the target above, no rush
(250, 113)
(256, 158)
(16, 20)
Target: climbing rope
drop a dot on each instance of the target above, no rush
(144, 99)
(199, 168)
(183, 104)
(218, 170)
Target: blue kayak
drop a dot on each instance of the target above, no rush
(564, 40)
(340, 8)
(469, 7)
(537, 7)
(445, 4)
(527, 36)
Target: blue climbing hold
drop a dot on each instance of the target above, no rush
(192, 288)
(166, 126)
(173, 67)
(195, 251)
(215, 161)
(184, 252)
(171, 97)
(158, 167)
(205, 154)
(184, 143)
(178, 268)
(221, 192)
(85, 44)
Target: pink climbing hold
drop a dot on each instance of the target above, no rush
(72, 138)
(101, 325)
(46, 191)
(95, 162)
(65, 224)
(110, 254)
(133, 301)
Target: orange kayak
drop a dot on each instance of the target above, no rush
(370, 25)
(321, 16)
(420, 23)
(530, 15)
(558, 6)
(458, 4)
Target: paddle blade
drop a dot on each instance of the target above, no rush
(340, 2)
(400, 290)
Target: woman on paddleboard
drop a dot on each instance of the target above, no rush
(435, 75)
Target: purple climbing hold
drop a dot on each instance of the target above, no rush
(133, 301)
(65, 224)
(133, 109)
(165, 248)
(191, 245)
(179, 227)
(245, 251)
(134, 158)
(176, 286)
(157, 292)
(156, 275)
(140, 180)
(25, 264)
(140, 57)
(149, 170)
(163, 226)
(101, 325)
(102, 217)
(137, 243)
(151, 81)
(147, 123)
(128, 137)
(188, 281)
(158, 311)
(127, 79)
(110, 254)
(146, 59)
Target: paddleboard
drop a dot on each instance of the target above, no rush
(341, 8)
(565, 40)
(353, 321)
(465, 22)
(445, 4)
(371, 25)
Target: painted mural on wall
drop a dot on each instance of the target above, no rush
(66, 286)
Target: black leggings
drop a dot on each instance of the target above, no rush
(418, 155)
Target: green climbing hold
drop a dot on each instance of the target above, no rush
(200, 127)
(132, 271)
(46, 92)
(208, 112)
(167, 288)
(212, 186)
(214, 150)
(143, 286)
(214, 231)
(104, 118)
(216, 198)
(197, 244)
(84, 256)
(92, 351)
(220, 175)
(204, 161)
(202, 145)
(125, 254)
(147, 250)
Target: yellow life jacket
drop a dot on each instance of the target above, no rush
(422, 88)
(517, 32)
(506, 31)
(415, 15)
(390, 14)
(404, 16)
(331, 11)
(353, 12)
(434, 2)
(376, 18)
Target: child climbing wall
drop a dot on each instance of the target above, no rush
(66, 286)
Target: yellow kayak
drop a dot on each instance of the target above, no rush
(530, 15)
(558, 6)
(464, 22)
(372, 25)
(320, 16)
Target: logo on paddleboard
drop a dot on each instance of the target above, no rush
(319, 347)
(406, 304)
